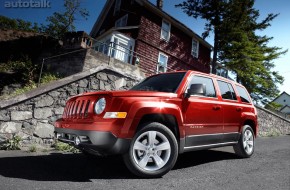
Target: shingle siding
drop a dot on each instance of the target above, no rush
(178, 48)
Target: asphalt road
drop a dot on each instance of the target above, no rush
(268, 168)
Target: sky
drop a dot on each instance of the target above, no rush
(279, 29)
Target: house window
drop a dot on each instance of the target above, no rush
(121, 21)
(117, 6)
(195, 47)
(165, 30)
(162, 63)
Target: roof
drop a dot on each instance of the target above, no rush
(101, 17)
(283, 109)
(281, 95)
(151, 7)
(116, 29)
(209, 75)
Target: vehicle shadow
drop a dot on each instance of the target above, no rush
(80, 168)
(195, 158)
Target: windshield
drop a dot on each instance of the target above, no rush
(161, 83)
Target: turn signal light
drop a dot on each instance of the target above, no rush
(115, 115)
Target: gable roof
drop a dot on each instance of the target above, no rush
(281, 95)
(151, 7)
(101, 17)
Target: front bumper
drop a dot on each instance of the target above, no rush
(95, 142)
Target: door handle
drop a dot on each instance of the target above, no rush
(239, 109)
(216, 107)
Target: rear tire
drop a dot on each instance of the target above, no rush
(246, 144)
(153, 151)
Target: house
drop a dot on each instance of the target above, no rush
(138, 32)
(284, 100)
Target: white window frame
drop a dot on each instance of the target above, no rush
(193, 52)
(164, 30)
(122, 21)
(117, 6)
(158, 64)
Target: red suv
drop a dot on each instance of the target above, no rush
(159, 118)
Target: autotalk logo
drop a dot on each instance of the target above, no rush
(27, 4)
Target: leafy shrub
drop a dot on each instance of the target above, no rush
(24, 67)
(11, 144)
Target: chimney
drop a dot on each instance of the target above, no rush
(159, 4)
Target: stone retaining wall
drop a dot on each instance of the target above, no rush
(31, 115)
(271, 124)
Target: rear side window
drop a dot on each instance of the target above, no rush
(227, 90)
(243, 94)
(209, 87)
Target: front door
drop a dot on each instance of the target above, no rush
(203, 116)
(122, 48)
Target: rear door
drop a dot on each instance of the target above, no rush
(231, 110)
(203, 115)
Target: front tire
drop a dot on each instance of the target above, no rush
(246, 144)
(153, 151)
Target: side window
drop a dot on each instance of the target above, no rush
(227, 90)
(243, 94)
(165, 30)
(209, 87)
(162, 63)
(117, 6)
(121, 21)
(194, 48)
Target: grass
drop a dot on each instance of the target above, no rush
(46, 78)
(32, 148)
(60, 146)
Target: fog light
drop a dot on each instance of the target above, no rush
(77, 140)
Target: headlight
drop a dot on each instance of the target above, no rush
(100, 105)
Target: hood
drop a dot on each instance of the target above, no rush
(129, 93)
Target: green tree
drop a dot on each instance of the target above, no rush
(213, 12)
(246, 53)
(234, 24)
(18, 24)
(60, 23)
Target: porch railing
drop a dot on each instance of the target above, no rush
(122, 53)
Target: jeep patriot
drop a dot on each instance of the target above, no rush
(162, 116)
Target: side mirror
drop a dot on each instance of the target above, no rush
(196, 89)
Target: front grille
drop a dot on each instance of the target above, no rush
(77, 109)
